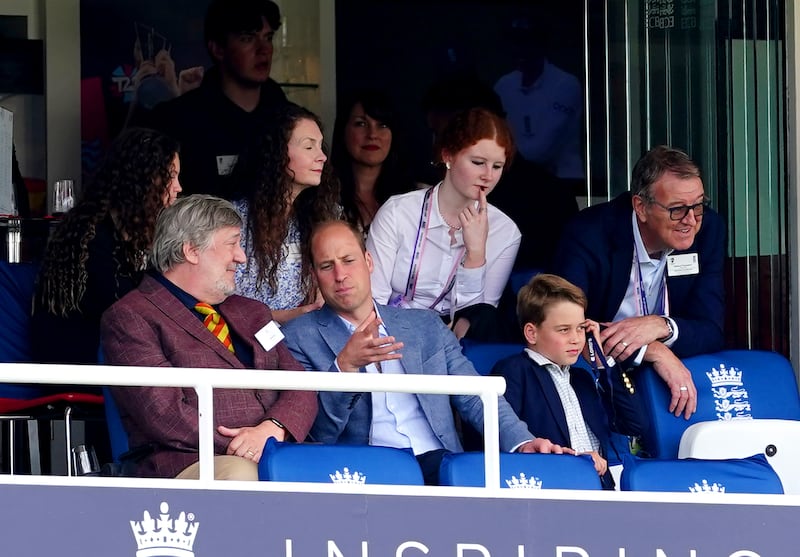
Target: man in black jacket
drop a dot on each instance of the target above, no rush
(215, 122)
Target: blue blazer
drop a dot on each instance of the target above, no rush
(532, 394)
(429, 347)
(596, 253)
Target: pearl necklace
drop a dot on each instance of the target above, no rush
(446, 221)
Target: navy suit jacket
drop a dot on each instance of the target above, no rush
(316, 338)
(532, 394)
(596, 254)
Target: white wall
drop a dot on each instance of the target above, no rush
(63, 89)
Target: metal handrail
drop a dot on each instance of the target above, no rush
(204, 380)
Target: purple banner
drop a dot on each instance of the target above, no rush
(148, 522)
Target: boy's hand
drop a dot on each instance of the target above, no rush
(600, 463)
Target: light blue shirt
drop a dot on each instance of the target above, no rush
(652, 276)
(397, 418)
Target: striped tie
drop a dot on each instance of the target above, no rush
(216, 324)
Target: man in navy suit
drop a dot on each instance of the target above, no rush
(351, 333)
(650, 262)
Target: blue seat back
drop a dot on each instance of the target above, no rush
(116, 431)
(522, 470)
(731, 385)
(520, 278)
(342, 464)
(17, 282)
(484, 355)
(736, 475)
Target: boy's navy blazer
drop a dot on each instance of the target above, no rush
(529, 386)
(532, 394)
(596, 253)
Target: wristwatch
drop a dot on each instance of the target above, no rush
(670, 328)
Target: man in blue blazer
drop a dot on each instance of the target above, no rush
(351, 333)
(650, 262)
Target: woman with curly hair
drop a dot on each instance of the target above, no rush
(97, 254)
(291, 188)
(366, 155)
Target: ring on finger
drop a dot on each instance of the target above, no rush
(625, 344)
(250, 453)
(684, 388)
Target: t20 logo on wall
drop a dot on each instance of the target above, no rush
(122, 82)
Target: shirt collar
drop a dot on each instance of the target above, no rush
(544, 361)
(352, 328)
(638, 243)
(436, 214)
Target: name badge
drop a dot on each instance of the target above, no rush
(269, 335)
(225, 164)
(682, 265)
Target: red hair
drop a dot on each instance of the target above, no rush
(467, 128)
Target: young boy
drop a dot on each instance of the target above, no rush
(557, 403)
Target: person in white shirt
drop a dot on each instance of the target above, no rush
(446, 248)
(544, 105)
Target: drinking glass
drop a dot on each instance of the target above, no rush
(84, 461)
(63, 197)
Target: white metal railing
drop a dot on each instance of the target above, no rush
(203, 381)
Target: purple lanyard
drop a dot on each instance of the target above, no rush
(419, 247)
(644, 308)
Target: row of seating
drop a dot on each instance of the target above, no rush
(367, 465)
(747, 404)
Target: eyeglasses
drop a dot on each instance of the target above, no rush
(681, 211)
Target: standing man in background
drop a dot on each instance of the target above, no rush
(215, 122)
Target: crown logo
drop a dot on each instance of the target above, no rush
(524, 482)
(706, 488)
(346, 477)
(164, 536)
(724, 376)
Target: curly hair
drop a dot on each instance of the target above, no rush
(129, 188)
(265, 174)
(393, 178)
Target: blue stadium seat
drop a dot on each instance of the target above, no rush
(484, 355)
(522, 470)
(342, 464)
(116, 431)
(731, 385)
(520, 278)
(779, 440)
(741, 475)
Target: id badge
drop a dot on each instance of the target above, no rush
(269, 336)
(683, 265)
(225, 164)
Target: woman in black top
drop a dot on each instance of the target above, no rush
(98, 253)
(366, 155)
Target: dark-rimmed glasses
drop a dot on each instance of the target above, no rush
(681, 211)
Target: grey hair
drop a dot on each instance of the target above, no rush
(193, 220)
(655, 163)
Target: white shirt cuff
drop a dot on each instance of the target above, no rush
(516, 447)
(637, 361)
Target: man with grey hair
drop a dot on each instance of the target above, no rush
(650, 262)
(184, 314)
